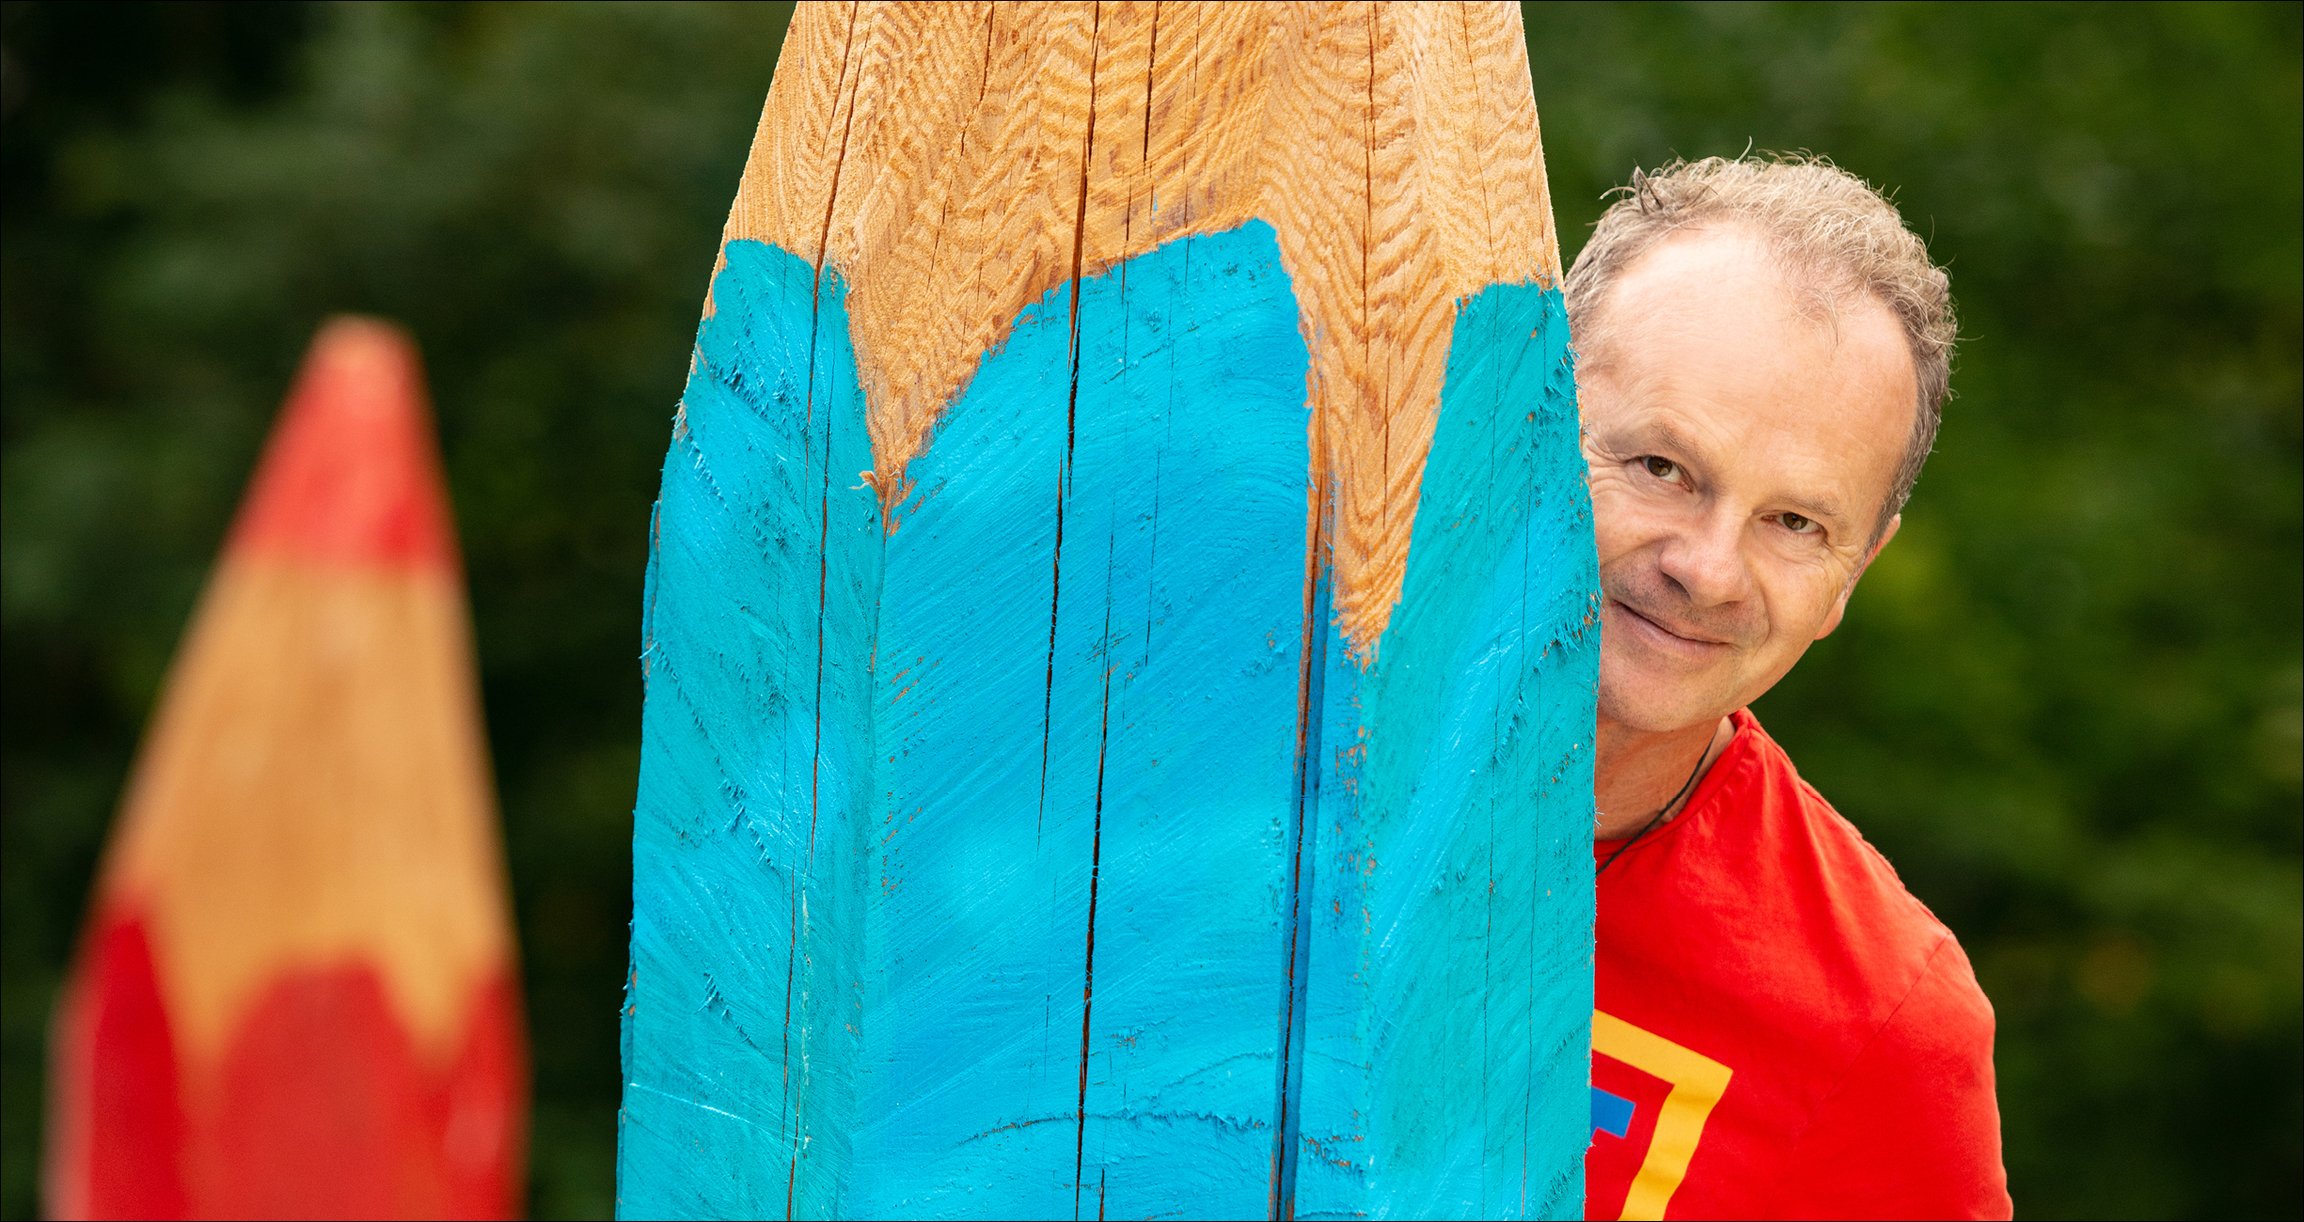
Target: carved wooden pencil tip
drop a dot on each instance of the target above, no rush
(297, 995)
(351, 475)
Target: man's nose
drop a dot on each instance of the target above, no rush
(1707, 559)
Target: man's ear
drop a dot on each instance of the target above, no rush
(1840, 604)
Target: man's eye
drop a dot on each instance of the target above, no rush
(1662, 468)
(1799, 525)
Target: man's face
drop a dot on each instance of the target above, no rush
(1741, 455)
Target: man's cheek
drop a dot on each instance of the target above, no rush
(1616, 524)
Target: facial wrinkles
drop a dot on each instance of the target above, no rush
(1750, 464)
(1640, 584)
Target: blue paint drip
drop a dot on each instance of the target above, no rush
(884, 775)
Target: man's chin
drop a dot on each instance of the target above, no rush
(1643, 708)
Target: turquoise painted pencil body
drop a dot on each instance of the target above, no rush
(1053, 853)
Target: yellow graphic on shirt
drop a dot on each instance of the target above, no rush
(1697, 1081)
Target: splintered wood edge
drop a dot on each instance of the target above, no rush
(954, 162)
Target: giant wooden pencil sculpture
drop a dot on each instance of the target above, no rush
(296, 996)
(1119, 646)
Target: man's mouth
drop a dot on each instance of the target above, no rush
(1658, 634)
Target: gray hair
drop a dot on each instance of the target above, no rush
(1843, 240)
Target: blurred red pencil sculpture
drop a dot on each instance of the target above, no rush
(296, 996)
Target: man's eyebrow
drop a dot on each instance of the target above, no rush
(1664, 435)
(1825, 511)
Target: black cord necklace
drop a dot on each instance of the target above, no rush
(1658, 817)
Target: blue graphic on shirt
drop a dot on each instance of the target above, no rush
(1611, 1114)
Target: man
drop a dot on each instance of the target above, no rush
(1783, 1031)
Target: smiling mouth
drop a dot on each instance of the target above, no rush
(1671, 637)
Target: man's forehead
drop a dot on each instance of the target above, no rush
(1710, 277)
(1716, 310)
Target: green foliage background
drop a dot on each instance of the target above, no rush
(2068, 703)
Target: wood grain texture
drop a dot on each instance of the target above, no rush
(307, 860)
(1119, 643)
(953, 162)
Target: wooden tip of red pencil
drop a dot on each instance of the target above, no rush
(351, 476)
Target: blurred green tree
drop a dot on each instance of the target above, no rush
(2069, 701)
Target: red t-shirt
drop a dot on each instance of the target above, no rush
(1782, 1030)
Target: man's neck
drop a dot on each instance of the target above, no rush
(1636, 772)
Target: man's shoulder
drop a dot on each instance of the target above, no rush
(1871, 941)
(1800, 825)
